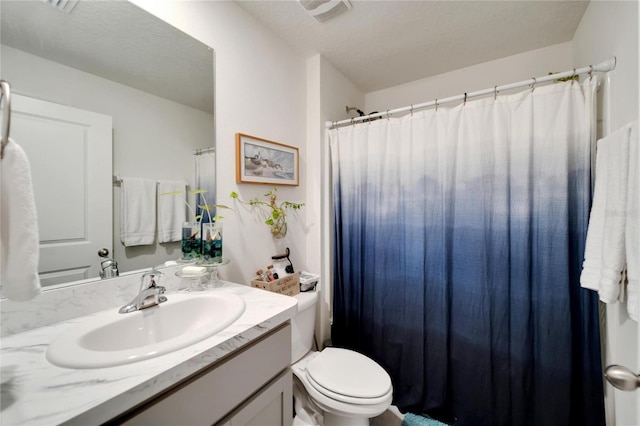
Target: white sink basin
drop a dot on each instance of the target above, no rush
(112, 338)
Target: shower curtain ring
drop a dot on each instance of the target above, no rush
(412, 110)
(495, 93)
(533, 85)
(573, 76)
(353, 122)
(436, 104)
(590, 72)
(465, 98)
(388, 114)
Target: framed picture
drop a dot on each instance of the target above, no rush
(261, 161)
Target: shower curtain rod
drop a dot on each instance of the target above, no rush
(603, 66)
(204, 150)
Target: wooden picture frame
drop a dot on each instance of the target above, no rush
(266, 162)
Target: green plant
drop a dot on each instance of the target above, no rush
(276, 212)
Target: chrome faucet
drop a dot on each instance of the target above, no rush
(150, 293)
(108, 267)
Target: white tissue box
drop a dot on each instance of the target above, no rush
(308, 280)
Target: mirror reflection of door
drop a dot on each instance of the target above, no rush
(70, 153)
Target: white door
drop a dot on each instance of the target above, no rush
(623, 335)
(70, 152)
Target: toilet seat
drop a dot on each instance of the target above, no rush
(337, 403)
(348, 376)
(345, 398)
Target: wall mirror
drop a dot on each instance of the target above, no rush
(115, 60)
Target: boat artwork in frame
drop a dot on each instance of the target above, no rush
(262, 161)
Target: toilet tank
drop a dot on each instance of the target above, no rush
(303, 325)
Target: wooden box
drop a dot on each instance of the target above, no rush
(289, 285)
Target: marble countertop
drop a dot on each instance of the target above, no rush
(35, 392)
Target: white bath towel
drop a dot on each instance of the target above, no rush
(19, 240)
(614, 257)
(632, 231)
(592, 265)
(171, 210)
(137, 211)
(605, 257)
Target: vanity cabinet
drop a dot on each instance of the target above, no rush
(251, 386)
(269, 406)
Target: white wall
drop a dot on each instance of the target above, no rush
(506, 70)
(328, 93)
(260, 91)
(610, 28)
(143, 145)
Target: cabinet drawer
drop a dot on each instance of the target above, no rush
(272, 405)
(206, 398)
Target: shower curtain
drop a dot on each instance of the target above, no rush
(459, 235)
(205, 165)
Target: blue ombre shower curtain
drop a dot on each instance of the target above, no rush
(205, 165)
(459, 235)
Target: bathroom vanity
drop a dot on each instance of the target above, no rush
(238, 376)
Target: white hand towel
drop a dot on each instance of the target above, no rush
(613, 238)
(137, 211)
(592, 265)
(632, 230)
(171, 210)
(19, 240)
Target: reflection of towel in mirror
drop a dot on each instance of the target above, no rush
(19, 241)
(137, 211)
(171, 210)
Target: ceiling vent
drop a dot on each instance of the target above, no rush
(62, 5)
(323, 10)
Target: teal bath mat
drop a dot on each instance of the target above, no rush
(411, 419)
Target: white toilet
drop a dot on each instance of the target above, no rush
(334, 387)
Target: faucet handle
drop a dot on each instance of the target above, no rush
(154, 278)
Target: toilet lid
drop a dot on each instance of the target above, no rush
(345, 372)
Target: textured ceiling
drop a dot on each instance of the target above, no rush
(376, 44)
(114, 40)
(380, 44)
